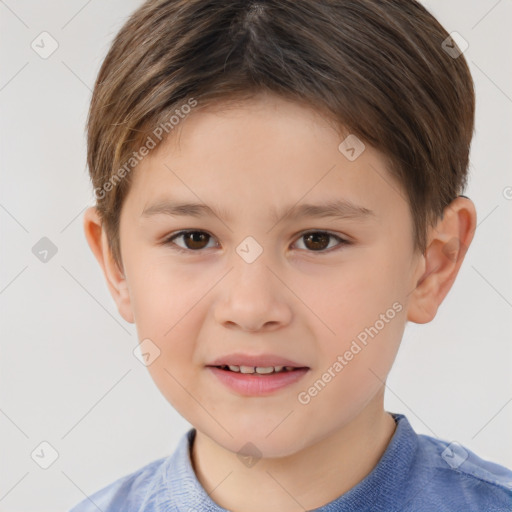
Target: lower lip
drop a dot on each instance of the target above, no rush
(253, 384)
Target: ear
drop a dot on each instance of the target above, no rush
(447, 244)
(116, 280)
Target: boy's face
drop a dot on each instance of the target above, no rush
(304, 298)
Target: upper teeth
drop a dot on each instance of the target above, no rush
(258, 369)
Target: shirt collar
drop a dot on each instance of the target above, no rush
(185, 492)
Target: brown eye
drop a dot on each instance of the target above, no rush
(192, 240)
(196, 240)
(319, 241)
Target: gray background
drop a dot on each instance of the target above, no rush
(68, 375)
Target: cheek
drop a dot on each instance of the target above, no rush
(168, 306)
(360, 310)
(160, 293)
(350, 296)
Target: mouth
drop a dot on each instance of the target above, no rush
(257, 375)
(257, 380)
(262, 364)
(259, 370)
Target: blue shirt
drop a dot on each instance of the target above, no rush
(416, 473)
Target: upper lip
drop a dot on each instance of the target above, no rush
(262, 360)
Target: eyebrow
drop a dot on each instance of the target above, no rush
(336, 209)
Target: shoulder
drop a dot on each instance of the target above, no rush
(455, 478)
(126, 493)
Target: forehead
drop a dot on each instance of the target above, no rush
(262, 154)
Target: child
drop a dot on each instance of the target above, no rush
(278, 188)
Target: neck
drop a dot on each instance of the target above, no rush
(308, 479)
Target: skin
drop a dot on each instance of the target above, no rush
(292, 301)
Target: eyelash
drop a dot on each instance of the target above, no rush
(169, 241)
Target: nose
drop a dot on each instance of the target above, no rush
(253, 298)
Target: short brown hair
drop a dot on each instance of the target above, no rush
(377, 68)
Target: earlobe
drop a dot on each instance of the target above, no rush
(114, 276)
(448, 243)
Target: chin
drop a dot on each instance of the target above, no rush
(256, 441)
